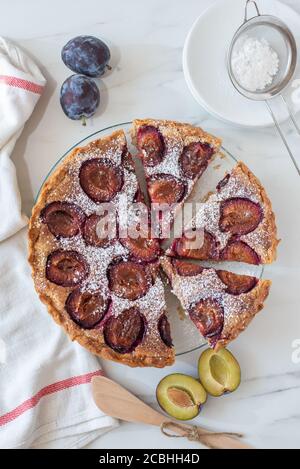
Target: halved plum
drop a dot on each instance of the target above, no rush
(181, 396)
(66, 268)
(194, 159)
(239, 216)
(237, 284)
(164, 330)
(100, 179)
(85, 308)
(239, 251)
(63, 219)
(165, 189)
(185, 246)
(144, 249)
(187, 269)
(208, 316)
(219, 372)
(129, 280)
(151, 143)
(123, 333)
(93, 236)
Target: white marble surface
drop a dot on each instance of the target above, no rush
(147, 80)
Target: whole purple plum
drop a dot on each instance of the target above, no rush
(86, 55)
(79, 97)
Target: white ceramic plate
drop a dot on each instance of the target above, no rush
(185, 336)
(204, 62)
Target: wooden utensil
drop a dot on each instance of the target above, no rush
(116, 401)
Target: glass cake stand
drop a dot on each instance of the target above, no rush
(185, 335)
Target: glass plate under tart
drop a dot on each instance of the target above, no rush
(186, 337)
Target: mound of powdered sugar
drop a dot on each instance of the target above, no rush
(255, 64)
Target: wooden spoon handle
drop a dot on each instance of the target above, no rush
(116, 401)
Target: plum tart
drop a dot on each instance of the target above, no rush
(221, 304)
(174, 156)
(237, 222)
(104, 291)
(104, 288)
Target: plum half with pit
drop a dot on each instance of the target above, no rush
(86, 55)
(181, 396)
(79, 97)
(219, 372)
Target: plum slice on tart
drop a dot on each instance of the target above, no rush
(86, 308)
(63, 219)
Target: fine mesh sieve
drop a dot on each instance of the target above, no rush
(283, 42)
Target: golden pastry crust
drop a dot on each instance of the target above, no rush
(60, 186)
(238, 310)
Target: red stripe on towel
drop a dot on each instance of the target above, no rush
(20, 83)
(50, 389)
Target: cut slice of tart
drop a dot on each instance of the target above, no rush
(174, 156)
(104, 291)
(237, 222)
(221, 304)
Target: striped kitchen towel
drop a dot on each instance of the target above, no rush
(45, 392)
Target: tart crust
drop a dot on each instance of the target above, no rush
(238, 310)
(60, 186)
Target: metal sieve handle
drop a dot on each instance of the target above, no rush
(282, 134)
(246, 10)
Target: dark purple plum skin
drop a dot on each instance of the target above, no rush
(86, 55)
(79, 97)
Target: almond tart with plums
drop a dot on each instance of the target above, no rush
(104, 291)
(238, 223)
(221, 304)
